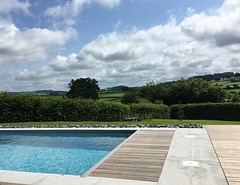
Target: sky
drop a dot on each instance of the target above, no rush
(44, 44)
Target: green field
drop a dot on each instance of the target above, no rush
(52, 96)
(223, 84)
(152, 122)
(112, 96)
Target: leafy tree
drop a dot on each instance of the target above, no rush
(125, 88)
(193, 91)
(228, 87)
(237, 74)
(130, 97)
(235, 98)
(235, 86)
(233, 79)
(85, 88)
(154, 92)
(180, 112)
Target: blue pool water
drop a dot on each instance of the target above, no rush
(57, 152)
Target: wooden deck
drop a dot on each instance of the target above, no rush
(140, 158)
(226, 142)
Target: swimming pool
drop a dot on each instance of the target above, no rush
(56, 151)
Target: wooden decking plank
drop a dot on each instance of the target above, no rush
(126, 172)
(140, 158)
(131, 177)
(226, 139)
(130, 168)
(116, 165)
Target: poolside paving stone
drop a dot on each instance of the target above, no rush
(191, 160)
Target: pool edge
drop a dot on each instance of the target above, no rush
(108, 155)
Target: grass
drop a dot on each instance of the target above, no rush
(152, 122)
(111, 95)
(223, 83)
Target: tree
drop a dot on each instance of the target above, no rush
(233, 79)
(193, 91)
(235, 98)
(235, 86)
(130, 97)
(125, 88)
(153, 92)
(85, 88)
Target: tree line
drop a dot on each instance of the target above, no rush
(218, 76)
(183, 91)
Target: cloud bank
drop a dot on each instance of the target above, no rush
(30, 45)
(14, 5)
(202, 43)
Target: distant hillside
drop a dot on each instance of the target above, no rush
(218, 76)
(40, 92)
(228, 80)
(120, 88)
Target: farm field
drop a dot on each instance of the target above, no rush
(112, 96)
(224, 83)
(115, 96)
(152, 122)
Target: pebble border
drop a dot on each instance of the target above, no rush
(105, 126)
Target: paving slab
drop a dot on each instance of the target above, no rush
(191, 160)
(25, 178)
(21, 177)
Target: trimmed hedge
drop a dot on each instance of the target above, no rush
(208, 111)
(31, 108)
(149, 111)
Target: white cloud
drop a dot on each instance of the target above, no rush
(108, 3)
(13, 5)
(190, 11)
(116, 57)
(222, 26)
(160, 53)
(117, 25)
(74, 7)
(31, 45)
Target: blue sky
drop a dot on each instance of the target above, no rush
(44, 44)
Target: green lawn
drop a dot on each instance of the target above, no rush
(152, 122)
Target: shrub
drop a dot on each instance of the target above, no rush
(31, 108)
(208, 111)
(130, 97)
(148, 111)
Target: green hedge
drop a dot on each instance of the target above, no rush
(148, 111)
(30, 108)
(208, 111)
